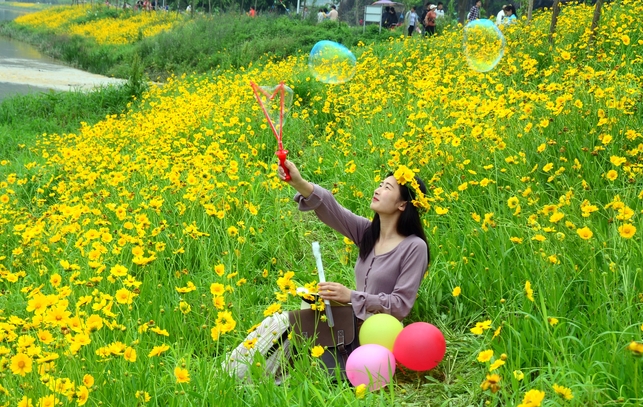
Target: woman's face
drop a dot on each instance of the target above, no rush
(387, 199)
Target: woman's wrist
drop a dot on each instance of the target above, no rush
(304, 187)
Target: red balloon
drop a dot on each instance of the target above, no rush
(420, 346)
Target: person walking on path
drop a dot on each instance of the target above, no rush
(411, 21)
(429, 21)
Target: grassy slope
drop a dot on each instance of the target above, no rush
(598, 312)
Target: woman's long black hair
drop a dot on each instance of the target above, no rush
(408, 224)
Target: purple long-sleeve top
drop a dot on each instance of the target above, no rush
(385, 283)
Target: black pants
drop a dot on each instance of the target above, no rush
(411, 29)
(430, 30)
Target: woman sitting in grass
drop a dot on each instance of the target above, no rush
(393, 256)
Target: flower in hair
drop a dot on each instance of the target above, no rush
(404, 175)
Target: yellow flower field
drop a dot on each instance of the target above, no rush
(123, 27)
(139, 251)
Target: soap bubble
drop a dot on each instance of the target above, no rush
(483, 45)
(270, 97)
(331, 62)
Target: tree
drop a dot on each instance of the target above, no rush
(463, 9)
(595, 20)
(554, 19)
(530, 9)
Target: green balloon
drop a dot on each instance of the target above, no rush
(380, 329)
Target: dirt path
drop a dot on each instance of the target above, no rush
(45, 75)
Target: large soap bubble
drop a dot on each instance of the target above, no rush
(483, 45)
(331, 62)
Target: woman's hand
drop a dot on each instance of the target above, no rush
(334, 292)
(296, 181)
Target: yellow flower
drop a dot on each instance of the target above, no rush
(564, 392)
(481, 327)
(225, 322)
(217, 289)
(491, 382)
(532, 398)
(565, 55)
(360, 391)
(214, 333)
(456, 291)
(497, 331)
(617, 161)
(404, 175)
(585, 233)
(528, 291)
(118, 271)
(185, 307)
(317, 351)
(88, 380)
(82, 395)
(495, 365)
(47, 401)
(519, 375)
(636, 348)
(611, 175)
(512, 202)
(158, 350)
(233, 231)
(24, 402)
(441, 211)
(275, 307)
(485, 356)
(55, 280)
(516, 240)
(129, 354)
(124, 296)
(552, 321)
(250, 343)
(219, 269)
(143, 395)
(182, 375)
(625, 39)
(627, 230)
(21, 364)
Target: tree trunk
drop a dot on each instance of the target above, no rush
(597, 17)
(210, 7)
(530, 9)
(357, 11)
(462, 11)
(555, 9)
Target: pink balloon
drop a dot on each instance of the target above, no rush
(370, 364)
(420, 346)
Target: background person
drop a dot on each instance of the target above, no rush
(501, 15)
(474, 13)
(439, 11)
(333, 15)
(510, 14)
(429, 21)
(411, 21)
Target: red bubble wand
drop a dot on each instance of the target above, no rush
(279, 91)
